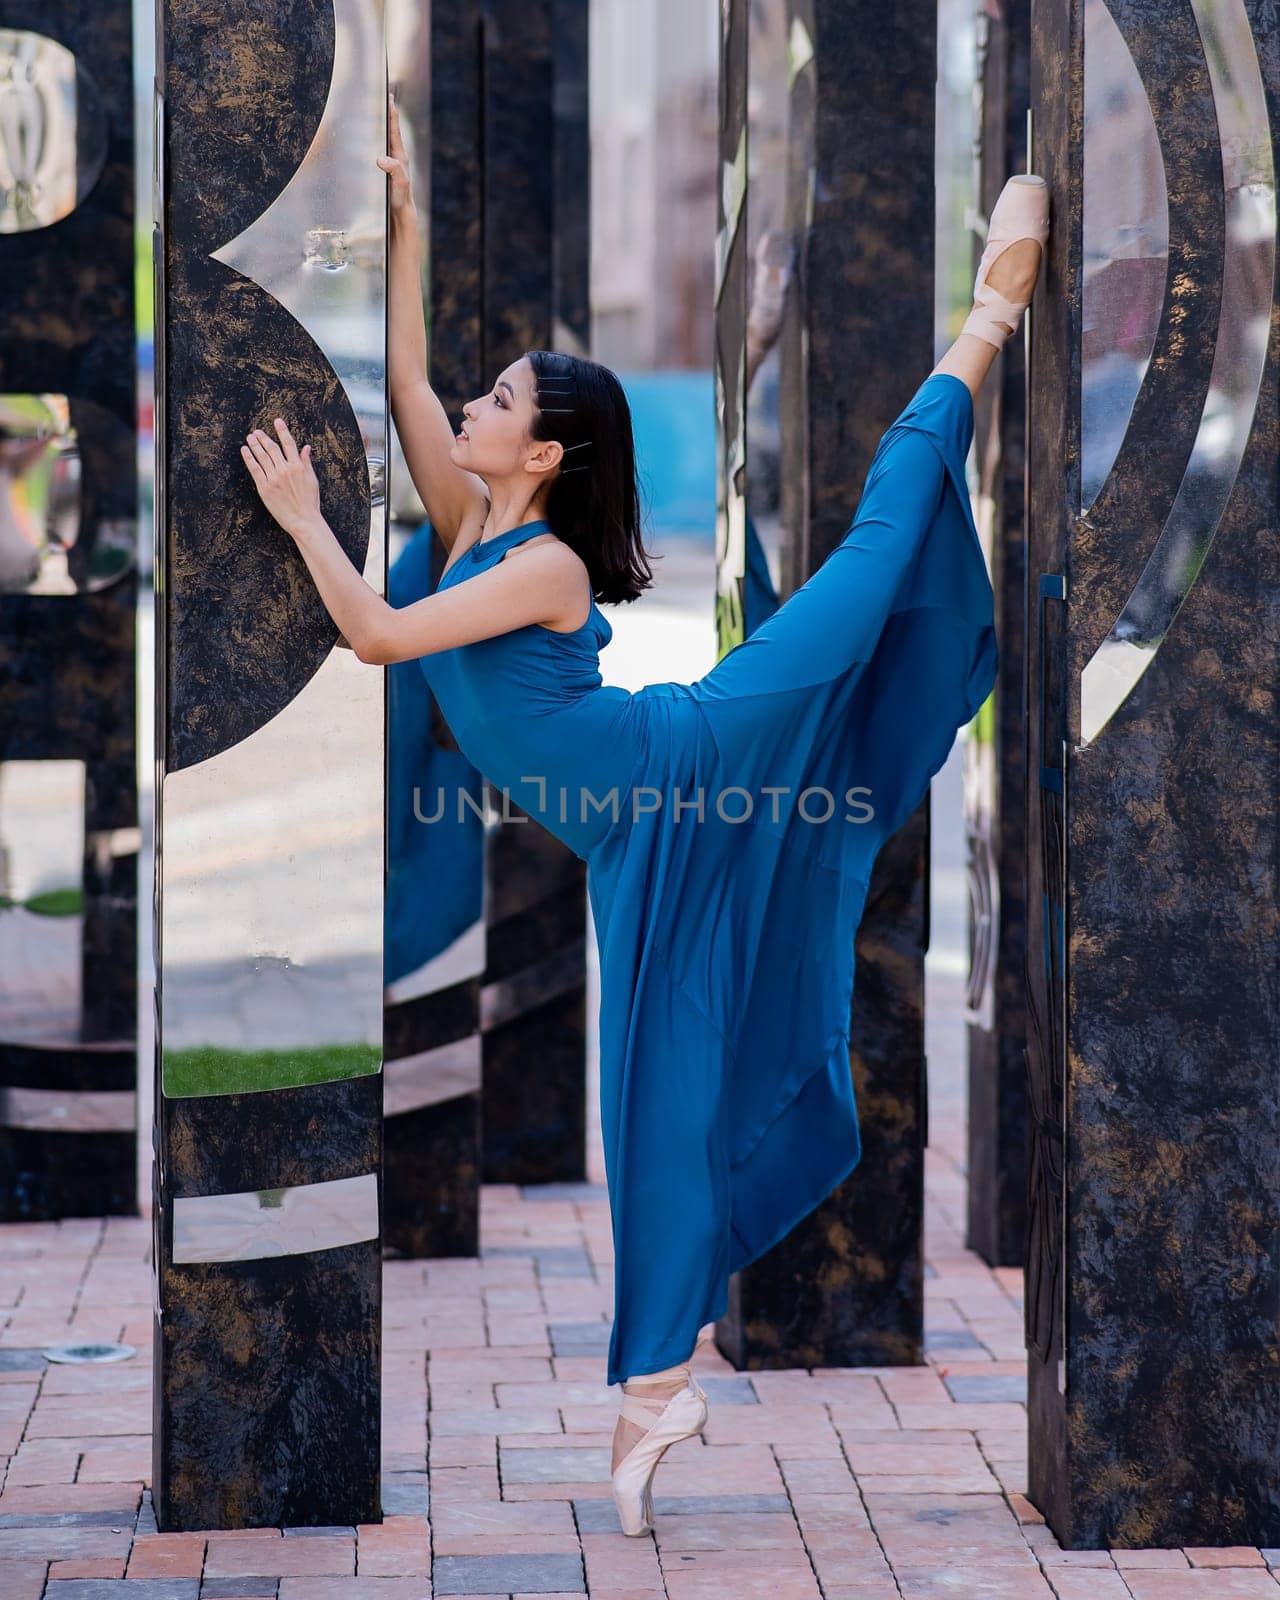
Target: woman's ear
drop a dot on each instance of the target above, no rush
(547, 455)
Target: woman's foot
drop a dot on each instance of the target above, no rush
(1010, 264)
(1006, 279)
(660, 1420)
(653, 1397)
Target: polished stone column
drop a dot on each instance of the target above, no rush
(855, 341)
(69, 831)
(271, 301)
(995, 754)
(1152, 928)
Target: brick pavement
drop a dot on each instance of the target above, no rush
(831, 1484)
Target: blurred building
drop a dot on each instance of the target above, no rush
(654, 70)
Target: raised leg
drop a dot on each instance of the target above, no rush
(1014, 274)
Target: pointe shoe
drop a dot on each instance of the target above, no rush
(684, 1415)
(1021, 212)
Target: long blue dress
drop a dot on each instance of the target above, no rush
(727, 939)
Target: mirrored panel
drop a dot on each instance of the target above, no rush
(53, 131)
(46, 547)
(1125, 244)
(1231, 400)
(42, 910)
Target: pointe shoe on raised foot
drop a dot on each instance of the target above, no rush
(1021, 212)
(684, 1415)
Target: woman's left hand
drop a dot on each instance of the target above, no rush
(285, 478)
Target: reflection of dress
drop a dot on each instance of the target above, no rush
(726, 945)
(447, 856)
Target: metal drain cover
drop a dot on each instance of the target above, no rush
(89, 1352)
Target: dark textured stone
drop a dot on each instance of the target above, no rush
(238, 124)
(995, 822)
(266, 1393)
(844, 1287)
(67, 678)
(1154, 1414)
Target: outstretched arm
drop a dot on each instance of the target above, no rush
(453, 497)
(543, 586)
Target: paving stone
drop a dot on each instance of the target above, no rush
(22, 1361)
(951, 1339)
(557, 1464)
(987, 1389)
(564, 1191)
(730, 1391)
(554, 1261)
(22, 1580)
(235, 1589)
(146, 1514)
(475, 1575)
(62, 1544)
(579, 1338)
(601, 1515)
(355, 1589)
(67, 1519)
(124, 1589)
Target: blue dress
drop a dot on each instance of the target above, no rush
(730, 826)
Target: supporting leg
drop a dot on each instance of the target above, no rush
(654, 1390)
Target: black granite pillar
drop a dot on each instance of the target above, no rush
(1152, 928)
(506, 138)
(271, 289)
(844, 1287)
(68, 598)
(995, 794)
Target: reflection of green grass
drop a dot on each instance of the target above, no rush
(207, 1069)
(56, 903)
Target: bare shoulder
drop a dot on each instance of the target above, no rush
(555, 556)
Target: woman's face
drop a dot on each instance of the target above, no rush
(494, 440)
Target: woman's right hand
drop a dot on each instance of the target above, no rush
(396, 164)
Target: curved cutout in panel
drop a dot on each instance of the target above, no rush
(1226, 422)
(1125, 245)
(53, 131)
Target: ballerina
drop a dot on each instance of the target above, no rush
(727, 1108)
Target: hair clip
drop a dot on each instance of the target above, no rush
(581, 445)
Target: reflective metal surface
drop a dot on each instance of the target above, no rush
(59, 1111)
(272, 850)
(53, 131)
(1230, 403)
(44, 548)
(432, 1076)
(1125, 244)
(41, 901)
(276, 1222)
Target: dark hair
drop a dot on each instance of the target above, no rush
(594, 501)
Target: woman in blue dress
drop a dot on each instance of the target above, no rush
(729, 825)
